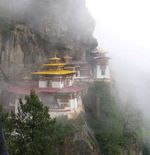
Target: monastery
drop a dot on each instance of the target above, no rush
(58, 83)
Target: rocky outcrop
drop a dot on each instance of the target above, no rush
(31, 32)
(19, 50)
(44, 27)
(115, 132)
(80, 139)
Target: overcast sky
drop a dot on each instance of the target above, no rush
(123, 29)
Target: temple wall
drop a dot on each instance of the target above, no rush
(73, 103)
(57, 84)
(98, 73)
(43, 84)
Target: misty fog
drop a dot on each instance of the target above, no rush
(123, 30)
(35, 13)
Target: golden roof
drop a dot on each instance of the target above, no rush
(67, 57)
(54, 72)
(55, 58)
(54, 64)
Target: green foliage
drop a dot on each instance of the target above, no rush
(108, 127)
(133, 124)
(146, 137)
(115, 129)
(32, 131)
(146, 149)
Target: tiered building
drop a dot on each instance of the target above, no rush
(56, 84)
(100, 66)
(60, 81)
(55, 87)
(55, 76)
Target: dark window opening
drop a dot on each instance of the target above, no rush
(103, 72)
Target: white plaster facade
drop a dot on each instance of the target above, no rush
(70, 112)
(70, 82)
(43, 84)
(55, 114)
(57, 84)
(71, 104)
(16, 106)
(100, 75)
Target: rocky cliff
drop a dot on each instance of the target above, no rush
(34, 30)
(40, 29)
(31, 32)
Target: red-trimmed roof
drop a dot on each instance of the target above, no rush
(26, 90)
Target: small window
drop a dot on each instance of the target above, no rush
(103, 71)
(64, 105)
(64, 100)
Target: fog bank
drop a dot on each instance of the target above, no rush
(123, 30)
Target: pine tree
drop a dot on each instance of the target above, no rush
(34, 131)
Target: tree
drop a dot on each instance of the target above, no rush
(32, 130)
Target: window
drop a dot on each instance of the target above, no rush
(103, 71)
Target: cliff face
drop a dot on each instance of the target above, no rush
(44, 27)
(117, 129)
(34, 32)
(19, 49)
(80, 140)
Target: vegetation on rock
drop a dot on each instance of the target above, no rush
(117, 129)
(32, 131)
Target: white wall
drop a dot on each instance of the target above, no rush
(99, 73)
(42, 84)
(57, 84)
(73, 103)
(59, 114)
(16, 106)
(60, 102)
(70, 83)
